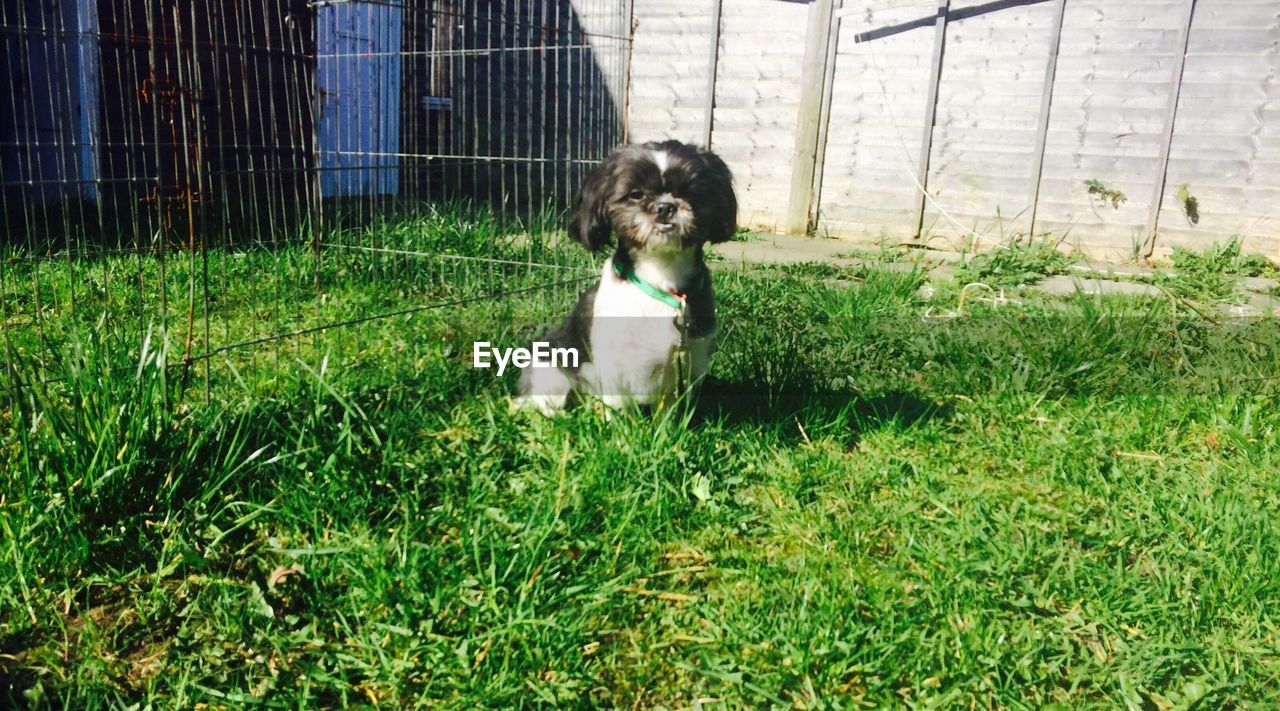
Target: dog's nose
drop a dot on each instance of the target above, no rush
(665, 209)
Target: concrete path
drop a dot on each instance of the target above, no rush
(786, 249)
(1257, 294)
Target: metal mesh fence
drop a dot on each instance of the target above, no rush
(232, 174)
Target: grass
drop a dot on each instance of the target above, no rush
(1063, 503)
(1016, 264)
(1213, 275)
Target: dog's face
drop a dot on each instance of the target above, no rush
(656, 197)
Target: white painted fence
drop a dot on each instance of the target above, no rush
(1120, 106)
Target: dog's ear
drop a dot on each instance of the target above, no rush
(589, 220)
(721, 202)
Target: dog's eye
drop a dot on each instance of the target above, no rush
(635, 195)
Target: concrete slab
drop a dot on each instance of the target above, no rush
(1260, 285)
(786, 249)
(1065, 285)
(1265, 304)
(1094, 278)
(942, 272)
(938, 256)
(1105, 270)
(789, 249)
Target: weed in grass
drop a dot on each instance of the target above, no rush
(1213, 274)
(884, 253)
(1016, 264)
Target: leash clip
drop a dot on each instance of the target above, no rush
(682, 314)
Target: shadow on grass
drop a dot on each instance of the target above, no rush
(737, 404)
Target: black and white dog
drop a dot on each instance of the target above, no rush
(645, 332)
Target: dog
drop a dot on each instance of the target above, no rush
(645, 333)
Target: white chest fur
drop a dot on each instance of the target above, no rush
(634, 339)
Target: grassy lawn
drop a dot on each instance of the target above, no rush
(881, 500)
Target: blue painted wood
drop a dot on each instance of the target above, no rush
(89, 124)
(358, 70)
(49, 137)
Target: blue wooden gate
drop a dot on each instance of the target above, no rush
(358, 71)
(48, 138)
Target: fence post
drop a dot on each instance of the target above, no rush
(931, 111)
(314, 181)
(1046, 103)
(630, 15)
(809, 118)
(828, 81)
(1171, 113)
(712, 64)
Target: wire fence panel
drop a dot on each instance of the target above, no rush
(237, 176)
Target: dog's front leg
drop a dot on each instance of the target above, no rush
(544, 389)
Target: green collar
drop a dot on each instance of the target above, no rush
(670, 298)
